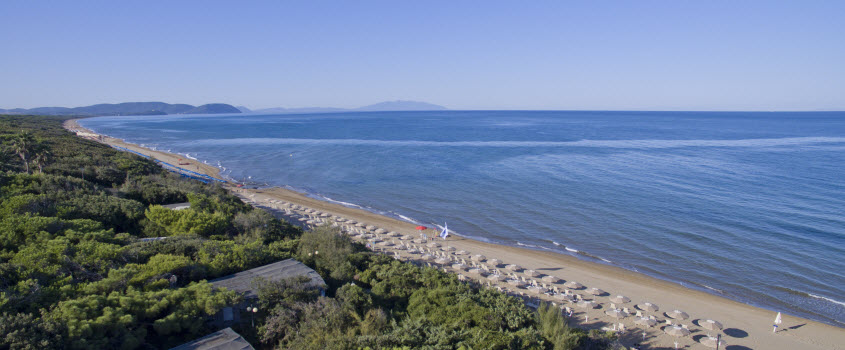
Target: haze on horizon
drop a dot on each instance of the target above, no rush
(618, 55)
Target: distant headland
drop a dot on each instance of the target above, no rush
(161, 108)
(128, 108)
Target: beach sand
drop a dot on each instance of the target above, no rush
(746, 327)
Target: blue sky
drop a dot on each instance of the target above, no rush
(640, 55)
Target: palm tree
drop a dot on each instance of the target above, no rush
(40, 159)
(22, 145)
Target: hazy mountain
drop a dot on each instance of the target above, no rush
(382, 106)
(401, 106)
(243, 109)
(129, 108)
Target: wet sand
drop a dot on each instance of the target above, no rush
(746, 327)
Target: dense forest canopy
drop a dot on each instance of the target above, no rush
(75, 272)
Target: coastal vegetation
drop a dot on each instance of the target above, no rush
(78, 270)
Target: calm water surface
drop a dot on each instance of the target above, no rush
(750, 206)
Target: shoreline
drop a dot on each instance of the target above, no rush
(746, 326)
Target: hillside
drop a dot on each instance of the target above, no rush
(398, 105)
(128, 108)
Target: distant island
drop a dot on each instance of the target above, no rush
(398, 105)
(128, 108)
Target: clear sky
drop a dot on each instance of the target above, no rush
(652, 55)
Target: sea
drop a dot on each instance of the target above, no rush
(746, 205)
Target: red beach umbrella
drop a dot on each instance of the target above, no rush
(421, 228)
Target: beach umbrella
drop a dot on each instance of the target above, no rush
(711, 325)
(649, 307)
(595, 291)
(361, 224)
(537, 289)
(550, 279)
(381, 231)
(676, 331)
(351, 222)
(678, 314)
(325, 215)
(616, 313)
(427, 257)
(419, 241)
(386, 244)
(516, 283)
(513, 267)
(433, 245)
(494, 262)
(394, 234)
(399, 247)
(573, 285)
(460, 267)
(449, 249)
(567, 297)
(532, 273)
(479, 257)
(420, 228)
(712, 342)
(645, 321)
(406, 238)
(442, 261)
(588, 304)
(475, 271)
(620, 299)
(495, 278)
(461, 252)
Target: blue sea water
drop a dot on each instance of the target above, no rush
(750, 206)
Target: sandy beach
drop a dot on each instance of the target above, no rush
(745, 326)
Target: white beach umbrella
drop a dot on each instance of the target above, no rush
(360, 224)
(573, 285)
(406, 238)
(516, 283)
(645, 321)
(460, 267)
(381, 231)
(370, 227)
(678, 314)
(649, 307)
(449, 249)
(394, 234)
(537, 289)
(595, 291)
(711, 342)
(588, 304)
(433, 245)
(676, 331)
(711, 325)
(427, 257)
(495, 278)
(479, 257)
(514, 267)
(386, 244)
(550, 279)
(567, 297)
(461, 252)
(616, 313)
(476, 271)
(351, 222)
(532, 273)
(620, 299)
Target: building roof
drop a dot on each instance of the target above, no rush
(224, 339)
(241, 282)
(177, 206)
